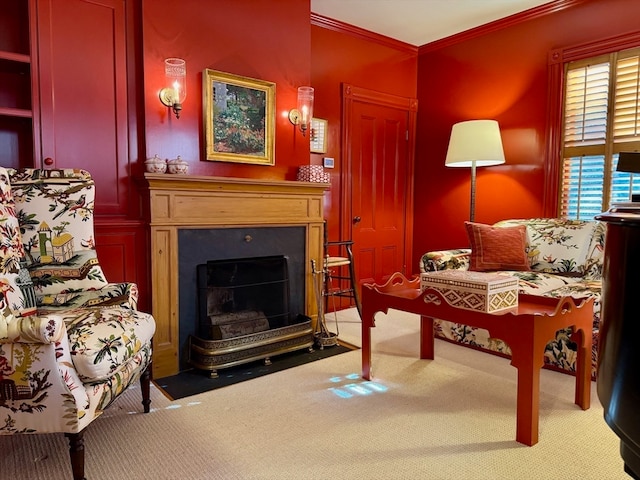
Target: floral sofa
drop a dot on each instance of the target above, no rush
(565, 258)
(70, 342)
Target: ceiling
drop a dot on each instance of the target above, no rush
(418, 22)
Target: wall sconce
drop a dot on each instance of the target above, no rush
(302, 115)
(175, 72)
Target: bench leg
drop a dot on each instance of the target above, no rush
(426, 338)
(528, 409)
(583, 368)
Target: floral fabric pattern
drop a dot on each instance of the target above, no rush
(70, 342)
(556, 245)
(55, 213)
(566, 258)
(16, 289)
(103, 340)
(55, 210)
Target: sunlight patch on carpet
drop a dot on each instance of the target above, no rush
(351, 388)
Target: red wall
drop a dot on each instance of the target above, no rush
(253, 38)
(499, 75)
(371, 63)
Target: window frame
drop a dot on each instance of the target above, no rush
(605, 147)
(557, 59)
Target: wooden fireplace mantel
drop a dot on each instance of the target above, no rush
(187, 201)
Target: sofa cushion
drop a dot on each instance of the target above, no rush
(556, 245)
(494, 248)
(581, 289)
(540, 283)
(104, 339)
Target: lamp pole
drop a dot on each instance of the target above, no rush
(472, 208)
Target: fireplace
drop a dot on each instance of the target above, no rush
(197, 219)
(257, 276)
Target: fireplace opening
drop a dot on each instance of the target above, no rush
(244, 312)
(241, 296)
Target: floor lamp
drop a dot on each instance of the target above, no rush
(475, 143)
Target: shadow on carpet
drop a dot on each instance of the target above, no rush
(193, 382)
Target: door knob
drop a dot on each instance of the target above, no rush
(356, 219)
(48, 161)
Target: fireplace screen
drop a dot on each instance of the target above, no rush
(244, 313)
(243, 296)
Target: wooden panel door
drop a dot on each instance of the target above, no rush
(83, 93)
(379, 188)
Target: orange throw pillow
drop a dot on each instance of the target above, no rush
(497, 248)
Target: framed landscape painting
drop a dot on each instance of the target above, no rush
(239, 118)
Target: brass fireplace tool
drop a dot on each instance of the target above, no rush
(322, 335)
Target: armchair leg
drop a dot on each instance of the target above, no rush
(76, 454)
(76, 440)
(145, 384)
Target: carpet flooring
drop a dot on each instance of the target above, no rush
(193, 382)
(451, 418)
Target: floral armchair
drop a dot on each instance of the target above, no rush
(70, 342)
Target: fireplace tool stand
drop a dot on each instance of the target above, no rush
(323, 337)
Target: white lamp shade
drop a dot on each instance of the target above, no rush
(475, 141)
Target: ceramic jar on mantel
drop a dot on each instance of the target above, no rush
(177, 165)
(155, 165)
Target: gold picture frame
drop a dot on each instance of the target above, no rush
(239, 118)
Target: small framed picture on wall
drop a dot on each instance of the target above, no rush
(318, 136)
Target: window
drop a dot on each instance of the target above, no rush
(601, 119)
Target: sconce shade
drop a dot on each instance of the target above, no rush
(175, 90)
(475, 141)
(175, 71)
(628, 162)
(305, 104)
(302, 115)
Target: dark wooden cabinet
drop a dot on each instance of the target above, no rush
(16, 87)
(68, 84)
(82, 64)
(63, 91)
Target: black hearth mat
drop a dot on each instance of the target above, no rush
(193, 382)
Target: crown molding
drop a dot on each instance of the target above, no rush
(511, 20)
(338, 26)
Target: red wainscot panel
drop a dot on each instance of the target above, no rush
(123, 253)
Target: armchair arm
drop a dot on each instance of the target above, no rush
(124, 294)
(40, 386)
(456, 259)
(32, 329)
